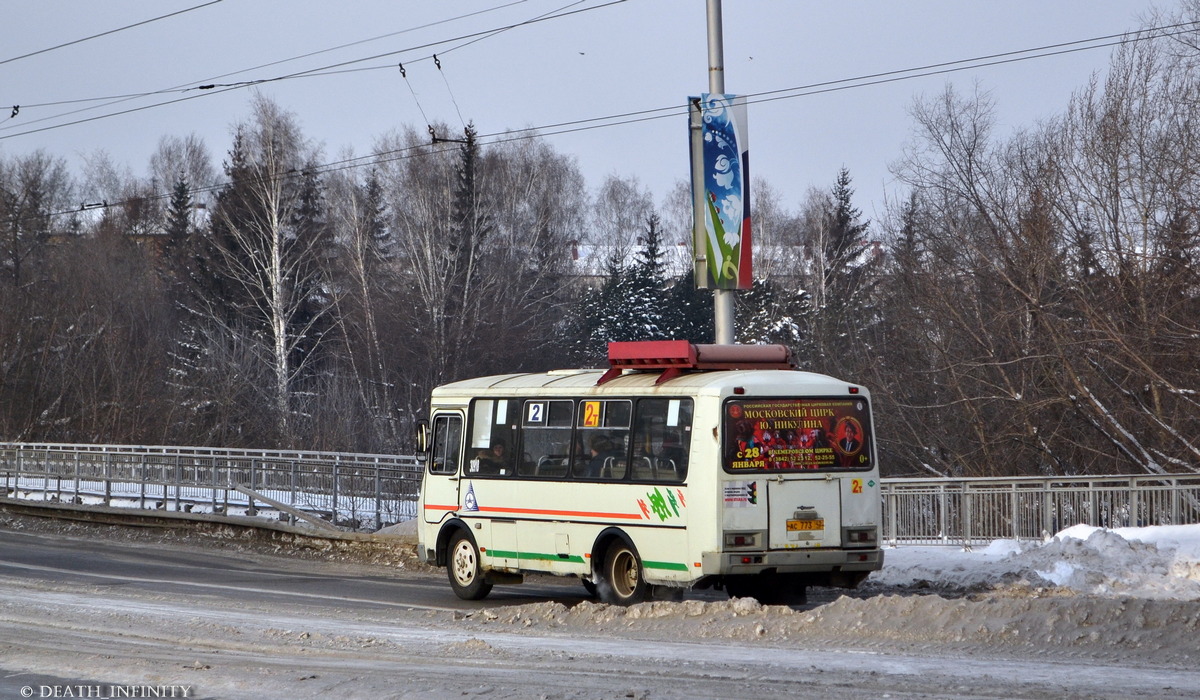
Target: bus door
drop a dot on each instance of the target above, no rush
(445, 465)
(804, 512)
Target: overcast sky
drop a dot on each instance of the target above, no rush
(611, 60)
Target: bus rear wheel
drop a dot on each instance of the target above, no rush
(623, 579)
(768, 589)
(464, 570)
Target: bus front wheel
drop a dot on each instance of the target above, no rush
(464, 570)
(623, 580)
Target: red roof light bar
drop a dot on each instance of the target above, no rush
(672, 357)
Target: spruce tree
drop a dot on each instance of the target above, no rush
(177, 231)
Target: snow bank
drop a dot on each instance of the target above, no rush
(1148, 562)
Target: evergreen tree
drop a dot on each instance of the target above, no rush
(311, 242)
(177, 239)
(770, 313)
(644, 310)
(689, 311)
(380, 236)
(841, 305)
(462, 319)
(845, 246)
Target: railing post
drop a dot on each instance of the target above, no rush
(76, 497)
(1134, 503)
(46, 475)
(250, 509)
(378, 498)
(1016, 524)
(294, 486)
(967, 512)
(334, 511)
(944, 514)
(1175, 502)
(104, 459)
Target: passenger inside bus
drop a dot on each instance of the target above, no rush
(601, 449)
(494, 460)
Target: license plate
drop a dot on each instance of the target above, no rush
(802, 525)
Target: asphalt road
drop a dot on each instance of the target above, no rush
(232, 623)
(250, 577)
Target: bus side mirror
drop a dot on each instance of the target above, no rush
(422, 437)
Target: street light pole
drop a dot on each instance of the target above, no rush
(723, 325)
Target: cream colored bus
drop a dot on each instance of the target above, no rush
(682, 466)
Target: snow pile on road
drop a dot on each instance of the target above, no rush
(1121, 593)
(1150, 562)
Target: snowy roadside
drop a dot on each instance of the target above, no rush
(1084, 603)
(1149, 562)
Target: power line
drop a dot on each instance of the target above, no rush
(111, 31)
(382, 157)
(312, 72)
(186, 86)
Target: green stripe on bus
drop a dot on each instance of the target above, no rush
(668, 565)
(503, 554)
(499, 553)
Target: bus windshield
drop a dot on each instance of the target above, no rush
(797, 434)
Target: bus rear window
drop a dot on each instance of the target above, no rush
(797, 434)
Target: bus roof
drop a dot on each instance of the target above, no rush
(758, 382)
(667, 367)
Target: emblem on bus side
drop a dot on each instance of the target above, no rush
(469, 502)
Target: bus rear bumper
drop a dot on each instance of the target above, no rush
(792, 561)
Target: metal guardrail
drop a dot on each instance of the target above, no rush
(364, 491)
(359, 491)
(977, 511)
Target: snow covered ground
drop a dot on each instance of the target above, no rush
(1142, 562)
(1087, 613)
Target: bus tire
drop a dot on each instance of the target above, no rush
(768, 589)
(622, 580)
(464, 569)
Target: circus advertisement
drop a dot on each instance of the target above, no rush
(726, 190)
(797, 434)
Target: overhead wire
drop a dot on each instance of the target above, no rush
(106, 33)
(112, 99)
(438, 62)
(332, 69)
(632, 117)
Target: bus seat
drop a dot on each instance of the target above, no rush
(551, 465)
(643, 468)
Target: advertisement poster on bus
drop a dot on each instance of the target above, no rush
(726, 191)
(797, 434)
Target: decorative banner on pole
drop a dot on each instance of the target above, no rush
(725, 187)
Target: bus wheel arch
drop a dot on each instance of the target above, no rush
(618, 570)
(443, 540)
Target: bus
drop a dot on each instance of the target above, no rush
(680, 466)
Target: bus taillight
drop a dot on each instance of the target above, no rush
(742, 539)
(859, 536)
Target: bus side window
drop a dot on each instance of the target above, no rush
(493, 446)
(602, 439)
(447, 441)
(663, 439)
(545, 437)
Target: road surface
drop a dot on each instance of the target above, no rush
(84, 609)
